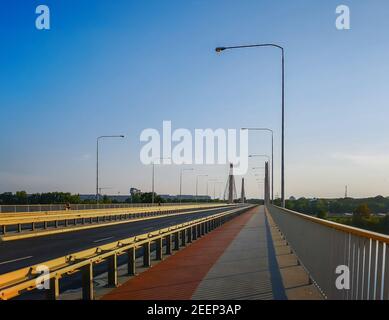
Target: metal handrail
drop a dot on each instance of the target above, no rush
(341, 227)
(327, 249)
(8, 208)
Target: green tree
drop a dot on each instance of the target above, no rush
(362, 211)
(21, 197)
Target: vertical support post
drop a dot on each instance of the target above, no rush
(189, 233)
(158, 249)
(87, 282)
(53, 292)
(146, 255)
(168, 244)
(113, 271)
(3, 229)
(194, 233)
(199, 230)
(176, 241)
(131, 265)
(19, 227)
(32, 226)
(183, 237)
(45, 225)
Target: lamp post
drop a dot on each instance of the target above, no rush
(210, 180)
(97, 161)
(220, 49)
(197, 182)
(259, 155)
(153, 178)
(214, 188)
(181, 172)
(272, 155)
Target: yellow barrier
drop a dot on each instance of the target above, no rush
(87, 217)
(15, 283)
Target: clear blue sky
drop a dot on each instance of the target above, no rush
(118, 67)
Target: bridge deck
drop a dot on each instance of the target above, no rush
(239, 260)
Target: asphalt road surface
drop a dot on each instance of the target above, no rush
(26, 252)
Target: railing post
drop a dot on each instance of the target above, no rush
(19, 227)
(168, 244)
(87, 282)
(146, 255)
(194, 233)
(113, 271)
(158, 249)
(3, 229)
(198, 230)
(176, 241)
(131, 266)
(183, 237)
(53, 292)
(189, 233)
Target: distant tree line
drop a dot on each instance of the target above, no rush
(361, 210)
(315, 206)
(22, 198)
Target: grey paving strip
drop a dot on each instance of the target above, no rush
(276, 279)
(243, 271)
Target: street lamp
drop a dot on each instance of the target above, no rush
(219, 50)
(214, 188)
(97, 161)
(182, 170)
(153, 177)
(208, 181)
(259, 155)
(272, 155)
(197, 182)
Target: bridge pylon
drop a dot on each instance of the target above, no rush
(230, 186)
(242, 193)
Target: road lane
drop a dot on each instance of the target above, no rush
(49, 247)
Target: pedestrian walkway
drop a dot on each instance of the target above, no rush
(235, 261)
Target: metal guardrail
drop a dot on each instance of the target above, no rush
(30, 222)
(18, 282)
(63, 207)
(322, 246)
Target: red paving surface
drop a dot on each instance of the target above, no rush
(177, 277)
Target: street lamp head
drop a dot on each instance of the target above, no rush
(220, 49)
(121, 136)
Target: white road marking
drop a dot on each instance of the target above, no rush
(14, 260)
(102, 239)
